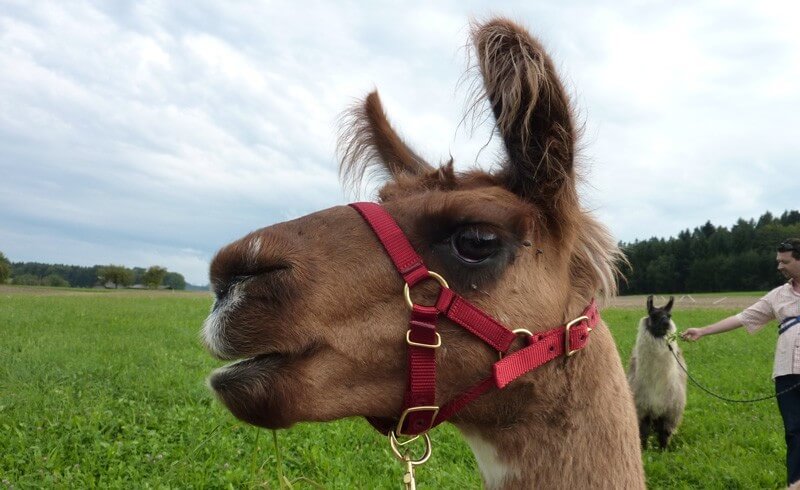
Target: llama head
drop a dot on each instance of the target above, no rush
(314, 306)
(659, 320)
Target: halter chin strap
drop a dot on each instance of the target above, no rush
(420, 411)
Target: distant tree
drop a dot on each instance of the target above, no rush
(116, 274)
(75, 275)
(26, 280)
(765, 219)
(710, 258)
(54, 280)
(743, 234)
(790, 217)
(707, 229)
(174, 280)
(87, 277)
(138, 275)
(661, 274)
(153, 277)
(5, 269)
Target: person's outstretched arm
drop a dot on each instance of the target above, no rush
(726, 325)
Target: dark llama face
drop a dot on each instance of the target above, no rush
(658, 319)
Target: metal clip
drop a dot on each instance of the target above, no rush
(409, 479)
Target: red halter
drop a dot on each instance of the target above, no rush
(420, 411)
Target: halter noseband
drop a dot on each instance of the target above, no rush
(420, 411)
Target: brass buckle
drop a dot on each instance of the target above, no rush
(517, 332)
(569, 325)
(418, 344)
(407, 289)
(399, 429)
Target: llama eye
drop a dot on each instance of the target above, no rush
(473, 245)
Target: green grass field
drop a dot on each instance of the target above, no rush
(108, 391)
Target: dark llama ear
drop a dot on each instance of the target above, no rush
(668, 307)
(533, 116)
(367, 142)
(650, 304)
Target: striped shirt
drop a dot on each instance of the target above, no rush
(779, 304)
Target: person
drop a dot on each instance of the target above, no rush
(782, 304)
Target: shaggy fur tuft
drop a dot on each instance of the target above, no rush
(369, 145)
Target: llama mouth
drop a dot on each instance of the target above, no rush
(254, 361)
(272, 357)
(259, 369)
(251, 389)
(246, 371)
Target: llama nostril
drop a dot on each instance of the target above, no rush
(223, 289)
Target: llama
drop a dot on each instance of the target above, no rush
(313, 308)
(657, 381)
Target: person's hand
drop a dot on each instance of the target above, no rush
(692, 334)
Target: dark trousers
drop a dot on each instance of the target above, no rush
(789, 404)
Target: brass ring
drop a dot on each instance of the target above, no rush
(407, 289)
(395, 445)
(517, 332)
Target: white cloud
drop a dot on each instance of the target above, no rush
(164, 128)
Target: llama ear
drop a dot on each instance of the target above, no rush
(649, 303)
(533, 116)
(368, 142)
(668, 307)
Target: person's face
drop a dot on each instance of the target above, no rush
(788, 265)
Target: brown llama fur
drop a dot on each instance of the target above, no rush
(314, 305)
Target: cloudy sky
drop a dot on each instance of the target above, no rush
(154, 132)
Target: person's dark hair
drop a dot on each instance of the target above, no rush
(791, 245)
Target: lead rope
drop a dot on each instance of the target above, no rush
(732, 400)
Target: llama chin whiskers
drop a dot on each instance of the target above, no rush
(213, 331)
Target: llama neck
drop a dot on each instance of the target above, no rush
(570, 424)
(496, 472)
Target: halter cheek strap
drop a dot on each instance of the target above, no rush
(420, 411)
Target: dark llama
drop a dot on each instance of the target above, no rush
(657, 381)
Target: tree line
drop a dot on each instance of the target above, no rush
(710, 258)
(706, 259)
(60, 275)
